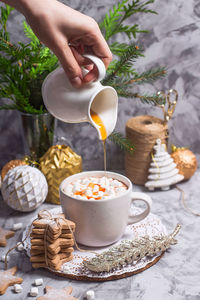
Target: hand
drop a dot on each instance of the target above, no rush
(69, 34)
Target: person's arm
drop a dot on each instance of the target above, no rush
(68, 33)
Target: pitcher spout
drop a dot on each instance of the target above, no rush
(103, 111)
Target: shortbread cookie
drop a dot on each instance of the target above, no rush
(5, 234)
(58, 294)
(50, 265)
(55, 244)
(53, 249)
(54, 226)
(50, 237)
(50, 255)
(54, 260)
(7, 279)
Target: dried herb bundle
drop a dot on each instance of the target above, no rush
(130, 251)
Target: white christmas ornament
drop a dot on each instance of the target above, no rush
(24, 188)
(162, 171)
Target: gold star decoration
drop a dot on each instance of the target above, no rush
(5, 234)
(7, 279)
(58, 294)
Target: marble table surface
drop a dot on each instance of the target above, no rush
(176, 276)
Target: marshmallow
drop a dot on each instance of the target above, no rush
(65, 269)
(17, 226)
(38, 281)
(3, 257)
(106, 188)
(20, 247)
(116, 183)
(34, 291)
(90, 295)
(96, 188)
(79, 197)
(85, 181)
(110, 191)
(18, 288)
(76, 188)
(89, 193)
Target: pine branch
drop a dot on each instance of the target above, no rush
(35, 42)
(148, 99)
(5, 12)
(122, 142)
(124, 64)
(136, 7)
(113, 22)
(8, 106)
(148, 76)
(118, 48)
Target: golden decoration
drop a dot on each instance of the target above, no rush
(56, 164)
(170, 105)
(10, 165)
(185, 160)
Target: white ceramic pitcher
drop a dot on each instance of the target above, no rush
(74, 105)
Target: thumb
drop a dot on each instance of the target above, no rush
(70, 65)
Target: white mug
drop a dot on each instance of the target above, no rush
(73, 105)
(101, 222)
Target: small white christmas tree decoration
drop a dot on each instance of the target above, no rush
(162, 172)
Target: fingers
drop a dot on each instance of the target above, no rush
(70, 65)
(101, 49)
(92, 75)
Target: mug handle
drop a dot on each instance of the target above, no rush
(143, 197)
(99, 64)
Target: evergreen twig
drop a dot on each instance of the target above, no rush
(124, 66)
(122, 142)
(148, 76)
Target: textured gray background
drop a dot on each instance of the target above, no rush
(173, 42)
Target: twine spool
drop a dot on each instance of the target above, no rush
(143, 131)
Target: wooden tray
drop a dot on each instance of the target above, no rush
(151, 226)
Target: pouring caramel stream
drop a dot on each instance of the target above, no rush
(97, 120)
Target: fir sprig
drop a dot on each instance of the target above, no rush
(148, 76)
(113, 21)
(122, 142)
(23, 68)
(124, 66)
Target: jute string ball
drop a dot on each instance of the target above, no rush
(143, 131)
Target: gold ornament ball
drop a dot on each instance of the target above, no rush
(186, 162)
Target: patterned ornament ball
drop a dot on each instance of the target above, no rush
(24, 188)
(185, 160)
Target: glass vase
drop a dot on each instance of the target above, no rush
(38, 133)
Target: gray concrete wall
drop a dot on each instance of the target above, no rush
(173, 42)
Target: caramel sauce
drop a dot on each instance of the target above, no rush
(97, 120)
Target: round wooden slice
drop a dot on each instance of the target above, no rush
(75, 269)
(112, 277)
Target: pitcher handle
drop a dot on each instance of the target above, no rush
(143, 197)
(99, 64)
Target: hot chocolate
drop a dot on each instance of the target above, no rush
(95, 188)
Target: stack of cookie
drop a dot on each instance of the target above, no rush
(51, 241)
